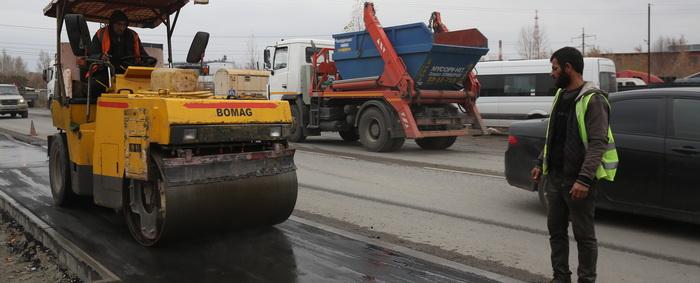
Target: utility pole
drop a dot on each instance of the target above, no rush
(500, 50)
(537, 40)
(649, 43)
(583, 40)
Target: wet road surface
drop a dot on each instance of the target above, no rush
(288, 252)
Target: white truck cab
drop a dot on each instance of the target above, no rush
(49, 76)
(285, 61)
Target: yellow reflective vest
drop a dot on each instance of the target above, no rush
(608, 165)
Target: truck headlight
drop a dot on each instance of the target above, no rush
(21, 100)
(189, 135)
(276, 132)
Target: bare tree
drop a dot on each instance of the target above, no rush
(44, 61)
(253, 56)
(356, 22)
(533, 42)
(20, 67)
(670, 57)
(595, 51)
(6, 63)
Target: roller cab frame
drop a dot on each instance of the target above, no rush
(171, 157)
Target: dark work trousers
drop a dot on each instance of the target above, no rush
(98, 83)
(561, 209)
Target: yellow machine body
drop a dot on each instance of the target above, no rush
(185, 143)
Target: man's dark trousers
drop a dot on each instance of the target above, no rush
(561, 208)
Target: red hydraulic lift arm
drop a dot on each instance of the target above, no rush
(436, 23)
(471, 84)
(395, 74)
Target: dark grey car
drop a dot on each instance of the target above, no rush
(657, 134)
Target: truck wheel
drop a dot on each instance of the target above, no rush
(374, 132)
(59, 175)
(435, 143)
(349, 135)
(25, 114)
(297, 131)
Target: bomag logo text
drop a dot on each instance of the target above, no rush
(234, 112)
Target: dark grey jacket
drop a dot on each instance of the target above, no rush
(580, 164)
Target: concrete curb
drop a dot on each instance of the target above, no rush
(75, 259)
(409, 252)
(24, 137)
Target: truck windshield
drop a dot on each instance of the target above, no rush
(8, 90)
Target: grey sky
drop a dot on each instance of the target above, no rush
(619, 25)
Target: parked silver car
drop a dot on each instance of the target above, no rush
(11, 102)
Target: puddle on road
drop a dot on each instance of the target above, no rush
(17, 155)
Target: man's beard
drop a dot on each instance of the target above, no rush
(563, 81)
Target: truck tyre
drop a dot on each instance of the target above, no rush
(374, 132)
(59, 172)
(349, 135)
(435, 143)
(25, 114)
(297, 131)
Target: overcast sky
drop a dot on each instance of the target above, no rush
(618, 25)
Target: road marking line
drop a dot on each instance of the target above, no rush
(328, 155)
(464, 172)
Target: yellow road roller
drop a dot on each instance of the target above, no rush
(173, 158)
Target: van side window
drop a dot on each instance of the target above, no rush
(517, 85)
(607, 81)
(686, 119)
(281, 58)
(638, 117)
(491, 85)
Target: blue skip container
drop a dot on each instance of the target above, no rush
(433, 66)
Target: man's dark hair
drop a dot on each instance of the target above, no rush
(118, 16)
(569, 55)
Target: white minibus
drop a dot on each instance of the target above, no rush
(524, 89)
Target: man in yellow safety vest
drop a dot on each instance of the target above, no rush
(579, 150)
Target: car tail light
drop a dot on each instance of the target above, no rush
(512, 140)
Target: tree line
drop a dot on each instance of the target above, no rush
(14, 70)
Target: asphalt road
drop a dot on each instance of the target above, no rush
(455, 204)
(290, 252)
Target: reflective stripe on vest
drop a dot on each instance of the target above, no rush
(609, 161)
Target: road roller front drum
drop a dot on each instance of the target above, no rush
(145, 210)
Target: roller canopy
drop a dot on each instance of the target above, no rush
(141, 13)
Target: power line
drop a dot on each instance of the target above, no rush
(583, 37)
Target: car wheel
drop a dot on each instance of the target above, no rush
(541, 192)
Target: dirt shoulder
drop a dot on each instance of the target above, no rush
(26, 260)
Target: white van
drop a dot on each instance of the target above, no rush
(524, 89)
